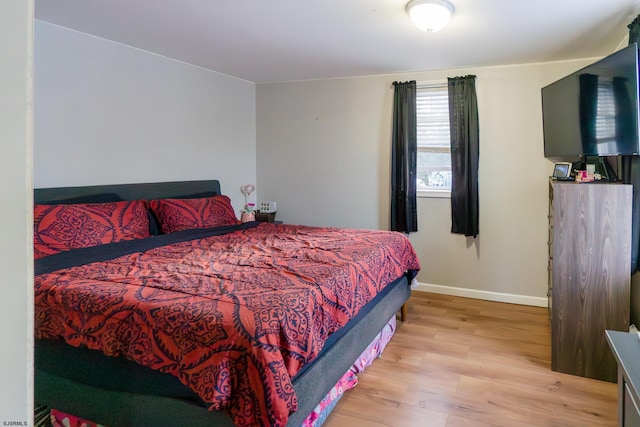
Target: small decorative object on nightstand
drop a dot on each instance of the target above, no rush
(247, 217)
(267, 212)
(249, 212)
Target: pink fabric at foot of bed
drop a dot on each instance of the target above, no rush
(349, 379)
(375, 349)
(60, 419)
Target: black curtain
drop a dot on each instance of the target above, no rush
(631, 174)
(404, 215)
(624, 109)
(465, 153)
(588, 108)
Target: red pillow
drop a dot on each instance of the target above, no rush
(59, 228)
(185, 214)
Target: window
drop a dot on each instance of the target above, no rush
(434, 143)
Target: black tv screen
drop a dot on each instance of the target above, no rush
(594, 111)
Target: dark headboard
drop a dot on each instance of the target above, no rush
(148, 191)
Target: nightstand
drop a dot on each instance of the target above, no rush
(267, 217)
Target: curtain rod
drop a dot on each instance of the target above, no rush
(431, 85)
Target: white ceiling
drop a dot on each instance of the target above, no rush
(282, 40)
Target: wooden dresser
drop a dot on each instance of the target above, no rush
(589, 274)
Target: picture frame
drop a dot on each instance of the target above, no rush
(562, 170)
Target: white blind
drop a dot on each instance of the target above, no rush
(432, 110)
(606, 112)
(434, 145)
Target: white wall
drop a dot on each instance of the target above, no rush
(16, 252)
(106, 113)
(323, 150)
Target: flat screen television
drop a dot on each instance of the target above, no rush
(594, 111)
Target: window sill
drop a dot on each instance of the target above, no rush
(436, 194)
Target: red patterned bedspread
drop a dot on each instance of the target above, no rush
(234, 317)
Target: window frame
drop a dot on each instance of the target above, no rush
(433, 192)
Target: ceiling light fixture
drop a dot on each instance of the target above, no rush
(430, 15)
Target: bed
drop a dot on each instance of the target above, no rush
(138, 330)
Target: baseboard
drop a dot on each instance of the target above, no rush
(484, 295)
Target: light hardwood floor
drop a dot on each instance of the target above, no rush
(464, 362)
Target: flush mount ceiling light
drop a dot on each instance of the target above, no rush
(430, 15)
